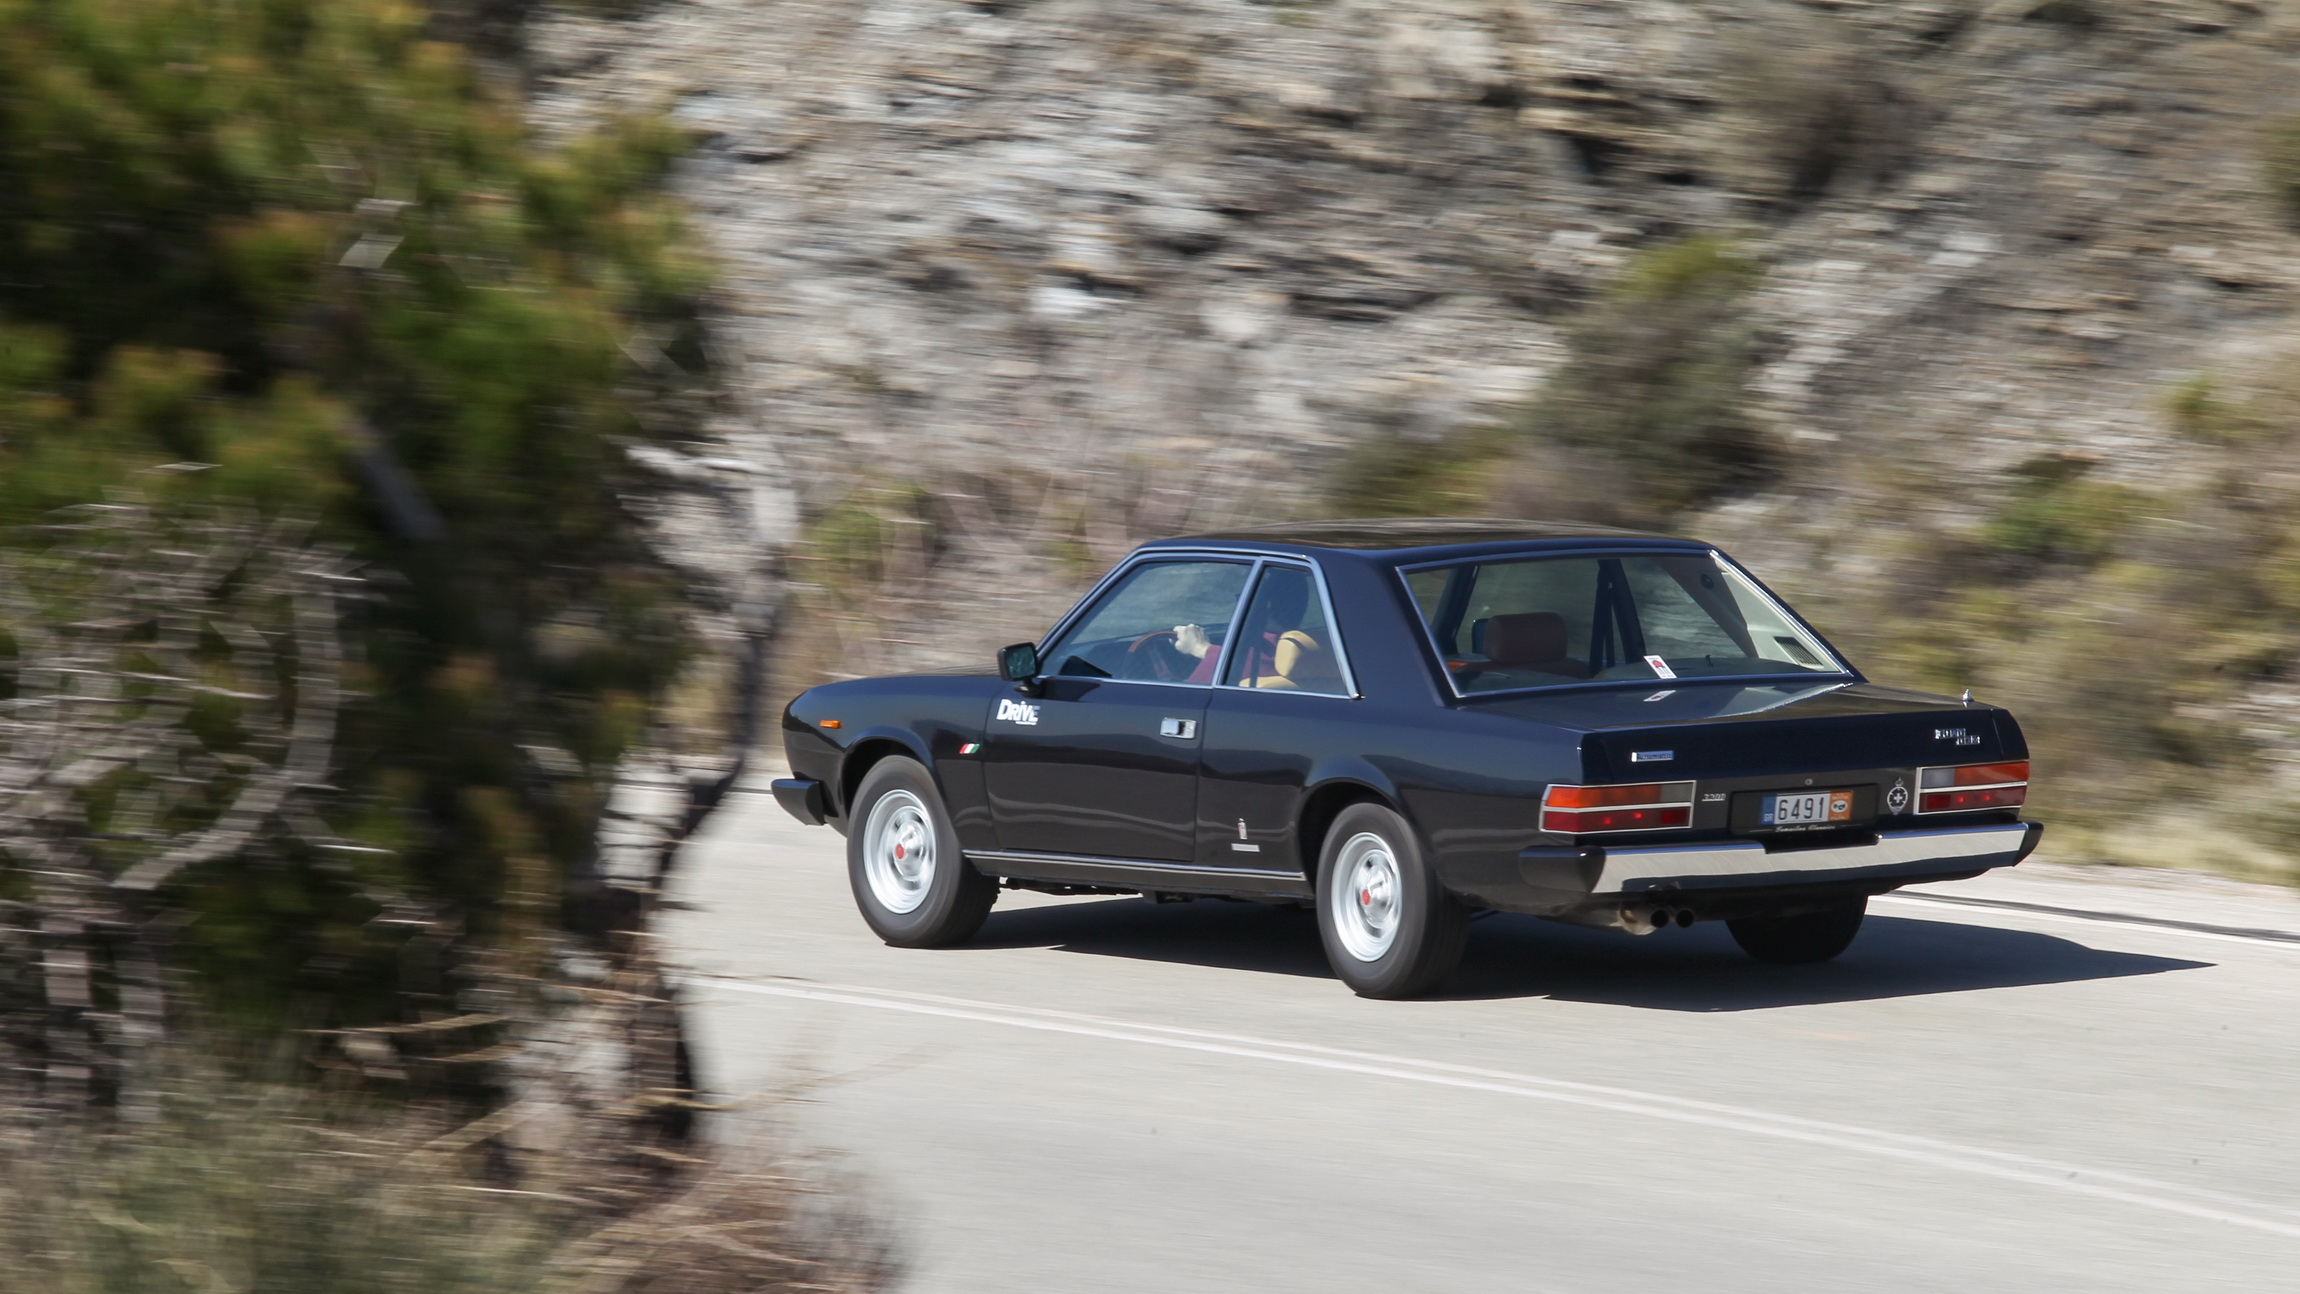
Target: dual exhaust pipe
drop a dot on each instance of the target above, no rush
(1642, 920)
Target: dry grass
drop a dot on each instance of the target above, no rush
(267, 1188)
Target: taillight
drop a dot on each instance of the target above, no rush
(1961, 787)
(1637, 806)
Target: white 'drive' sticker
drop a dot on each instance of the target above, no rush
(1660, 667)
(1017, 712)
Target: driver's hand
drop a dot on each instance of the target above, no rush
(1192, 641)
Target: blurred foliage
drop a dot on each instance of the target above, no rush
(265, 1187)
(1656, 374)
(2082, 15)
(2280, 166)
(1824, 113)
(304, 255)
(2144, 635)
(1390, 473)
(2057, 515)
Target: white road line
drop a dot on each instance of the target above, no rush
(2101, 1184)
(2072, 918)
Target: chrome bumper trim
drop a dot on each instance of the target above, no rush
(1096, 869)
(1747, 860)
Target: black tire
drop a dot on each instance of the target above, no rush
(934, 905)
(1426, 927)
(1802, 939)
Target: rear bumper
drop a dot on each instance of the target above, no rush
(1745, 862)
(1729, 874)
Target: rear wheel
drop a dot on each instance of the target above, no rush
(1389, 928)
(910, 881)
(1801, 939)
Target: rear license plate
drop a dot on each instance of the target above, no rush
(1803, 807)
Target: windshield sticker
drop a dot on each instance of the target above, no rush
(1017, 712)
(1660, 667)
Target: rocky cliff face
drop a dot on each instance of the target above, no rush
(1010, 285)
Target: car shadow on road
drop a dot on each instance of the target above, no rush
(1516, 956)
(1261, 937)
(1701, 969)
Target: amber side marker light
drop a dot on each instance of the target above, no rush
(830, 723)
(1961, 787)
(1635, 806)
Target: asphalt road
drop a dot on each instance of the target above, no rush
(1103, 1094)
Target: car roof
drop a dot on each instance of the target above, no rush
(1427, 538)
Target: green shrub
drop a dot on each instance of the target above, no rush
(1821, 113)
(2056, 514)
(1656, 374)
(302, 255)
(2082, 15)
(2280, 167)
(1389, 473)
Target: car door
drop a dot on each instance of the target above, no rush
(1103, 761)
(1285, 696)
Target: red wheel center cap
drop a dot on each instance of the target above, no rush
(898, 851)
(1365, 898)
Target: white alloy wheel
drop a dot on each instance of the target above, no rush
(1367, 896)
(898, 851)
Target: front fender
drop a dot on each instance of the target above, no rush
(870, 745)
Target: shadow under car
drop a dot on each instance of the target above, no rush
(1512, 956)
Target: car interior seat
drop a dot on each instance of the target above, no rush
(1534, 640)
(1300, 661)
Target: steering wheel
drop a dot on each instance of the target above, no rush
(1155, 655)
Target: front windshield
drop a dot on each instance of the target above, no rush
(1523, 622)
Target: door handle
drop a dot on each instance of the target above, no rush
(1183, 728)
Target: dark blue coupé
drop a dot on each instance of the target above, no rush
(1402, 722)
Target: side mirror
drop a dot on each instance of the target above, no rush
(1019, 663)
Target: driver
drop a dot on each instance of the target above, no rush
(1191, 640)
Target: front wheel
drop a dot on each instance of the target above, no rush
(1801, 939)
(1390, 929)
(911, 882)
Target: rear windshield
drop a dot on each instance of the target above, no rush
(1546, 621)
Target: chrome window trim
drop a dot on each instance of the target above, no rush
(1333, 630)
(1437, 651)
(1254, 561)
(1251, 561)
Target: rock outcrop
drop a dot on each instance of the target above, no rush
(1010, 285)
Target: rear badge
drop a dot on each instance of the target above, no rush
(1660, 667)
(1651, 756)
(1897, 799)
(1667, 691)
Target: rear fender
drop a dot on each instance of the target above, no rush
(1334, 785)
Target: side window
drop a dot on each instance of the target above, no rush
(1163, 622)
(1284, 641)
